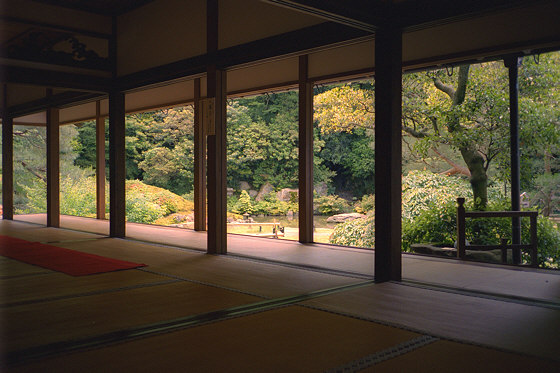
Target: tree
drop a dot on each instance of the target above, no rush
(466, 110)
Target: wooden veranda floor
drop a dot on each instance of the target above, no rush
(252, 311)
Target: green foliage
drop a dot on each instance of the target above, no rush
(437, 224)
(146, 203)
(420, 189)
(262, 135)
(330, 205)
(77, 195)
(140, 210)
(358, 233)
(546, 195)
(272, 206)
(244, 205)
(366, 204)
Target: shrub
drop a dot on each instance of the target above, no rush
(140, 210)
(366, 204)
(330, 205)
(358, 232)
(420, 189)
(244, 205)
(77, 195)
(146, 203)
(438, 225)
(169, 201)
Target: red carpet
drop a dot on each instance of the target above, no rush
(71, 262)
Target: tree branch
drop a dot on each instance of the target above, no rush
(455, 168)
(413, 132)
(25, 166)
(445, 88)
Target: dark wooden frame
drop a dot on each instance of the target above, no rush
(199, 186)
(305, 153)
(388, 154)
(53, 168)
(99, 161)
(117, 170)
(7, 160)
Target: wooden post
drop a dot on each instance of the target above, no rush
(512, 63)
(216, 141)
(388, 153)
(534, 241)
(7, 160)
(305, 153)
(461, 228)
(117, 171)
(217, 175)
(100, 161)
(199, 164)
(53, 168)
(503, 248)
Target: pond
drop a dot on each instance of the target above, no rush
(321, 234)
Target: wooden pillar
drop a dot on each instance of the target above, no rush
(388, 154)
(217, 171)
(216, 141)
(100, 161)
(512, 63)
(7, 161)
(305, 153)
(53, 168)
(117, 171)
(199, 164)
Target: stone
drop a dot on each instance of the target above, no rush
(243, 185)
(253, 193)
(229, 192)
(341, 218)
(285, 194)
(266, 188)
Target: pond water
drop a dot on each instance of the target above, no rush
(322, 232)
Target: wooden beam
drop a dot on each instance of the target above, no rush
(199, 164)
(53, 168)
(54, 79)
(58, 100)
(100, 161)
(117, 171)
(305, 153)
(7, 161)
(388, 154)
(355, 14)
(411, 15)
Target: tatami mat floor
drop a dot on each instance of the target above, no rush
(187, 311)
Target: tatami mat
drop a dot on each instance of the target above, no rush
(517, 327)
(291, 339)
(446, 356)
(255, 277)
(10, 268)
(55, 285)
(33, 325)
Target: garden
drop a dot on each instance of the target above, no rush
(455, 144)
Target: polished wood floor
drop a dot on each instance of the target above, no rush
(294, 308)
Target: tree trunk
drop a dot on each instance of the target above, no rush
(473, 159)
(478, 179)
